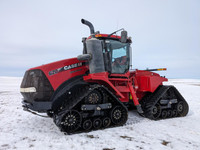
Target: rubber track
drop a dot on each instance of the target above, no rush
(74, 101)
(153, 100)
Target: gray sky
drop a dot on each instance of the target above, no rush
(165, 33)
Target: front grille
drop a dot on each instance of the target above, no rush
(38, 80)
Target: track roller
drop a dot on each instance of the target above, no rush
(106, 122)
(169, 113)
(164, 114)
(87, 125)
(97, 123)
(174, 113)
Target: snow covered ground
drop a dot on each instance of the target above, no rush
(23, 130)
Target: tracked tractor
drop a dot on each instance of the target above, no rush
(94, 90)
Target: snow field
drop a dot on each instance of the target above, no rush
(22, 130)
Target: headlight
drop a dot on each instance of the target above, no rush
(28, 90)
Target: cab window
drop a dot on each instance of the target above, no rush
(119, 56)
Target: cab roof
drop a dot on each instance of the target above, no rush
(113, 37)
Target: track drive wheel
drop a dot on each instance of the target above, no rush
(93, 98)
(119, 115)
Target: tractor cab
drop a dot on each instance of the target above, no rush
(118, 56)
(106, 52)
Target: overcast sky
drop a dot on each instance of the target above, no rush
(165, 33)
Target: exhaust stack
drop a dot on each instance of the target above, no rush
(94, 50)
(89, 24)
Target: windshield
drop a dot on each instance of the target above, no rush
(119, 56)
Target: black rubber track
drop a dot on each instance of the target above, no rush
(73, 101)
(153, 100)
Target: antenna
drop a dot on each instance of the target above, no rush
(115, 32)
(117, 25)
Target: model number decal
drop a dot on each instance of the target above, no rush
(65, 68)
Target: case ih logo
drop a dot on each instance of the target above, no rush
(65, 68)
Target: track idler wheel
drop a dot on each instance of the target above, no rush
(106, 122)
(97, 123)
(87, 124)
(182, 108)
(119, 115)
(156, 111)
(71, 121)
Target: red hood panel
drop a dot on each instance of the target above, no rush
(60, 71)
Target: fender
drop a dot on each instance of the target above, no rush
(56, 102)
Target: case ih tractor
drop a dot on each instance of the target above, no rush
(95, 90)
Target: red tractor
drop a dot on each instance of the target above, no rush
(95, 90)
